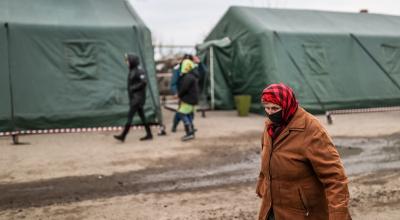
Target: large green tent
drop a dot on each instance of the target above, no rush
(332, 60)
(62, 63)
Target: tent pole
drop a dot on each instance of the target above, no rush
(220, 43)
(204, 94)
(14, 136)
(212, 77)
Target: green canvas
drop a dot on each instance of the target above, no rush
(332, 60)
(66, 63)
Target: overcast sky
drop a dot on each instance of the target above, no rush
(187, 22)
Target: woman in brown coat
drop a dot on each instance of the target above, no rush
(301, 175)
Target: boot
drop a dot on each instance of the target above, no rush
(194, 129)
(148, 136)
(189, 133)
(174, 125)
(175, 122)
(121, 137)
(162, 131)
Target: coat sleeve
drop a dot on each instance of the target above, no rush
(140, 83)
(261, 177)
(327, 165)
(260, 187)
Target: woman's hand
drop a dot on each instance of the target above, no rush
(260, 187)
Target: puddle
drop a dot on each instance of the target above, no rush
(213, 168)
(364, 155)
(345, 151)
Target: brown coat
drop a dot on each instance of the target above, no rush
(301, 175)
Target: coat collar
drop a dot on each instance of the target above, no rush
(297, 123)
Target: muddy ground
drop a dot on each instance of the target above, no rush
(91, 176)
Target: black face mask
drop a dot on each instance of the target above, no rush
(275, 117)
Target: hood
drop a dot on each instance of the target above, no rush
(187, 66)
(133, 60)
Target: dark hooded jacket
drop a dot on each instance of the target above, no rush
(136, 82)
(188, 89)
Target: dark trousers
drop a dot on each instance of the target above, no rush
(186, 118)
(131, 114)
(179, 116)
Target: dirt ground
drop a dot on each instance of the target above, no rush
(91, 176)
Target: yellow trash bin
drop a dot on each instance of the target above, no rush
(242, 103)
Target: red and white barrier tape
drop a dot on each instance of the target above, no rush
(71, 130)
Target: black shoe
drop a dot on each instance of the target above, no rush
(119, 137)
(162, 133)
(189, 133)
(187, 137)
(173, 129)
(147, 137)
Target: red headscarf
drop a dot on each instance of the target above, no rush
(282, 95)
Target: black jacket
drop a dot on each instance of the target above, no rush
(137, 87)
(188, 89)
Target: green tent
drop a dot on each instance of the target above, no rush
(332, 60)
(62, 63)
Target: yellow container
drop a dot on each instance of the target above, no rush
(242, 103)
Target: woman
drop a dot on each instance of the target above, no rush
(137, 96)
(301, 175)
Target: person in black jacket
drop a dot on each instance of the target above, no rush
(176, 75)
(137, 83)
(188, 93)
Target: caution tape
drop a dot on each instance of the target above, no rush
(72, 130)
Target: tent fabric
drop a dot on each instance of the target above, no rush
(66, 60)
(59, 13)
(332, 60)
